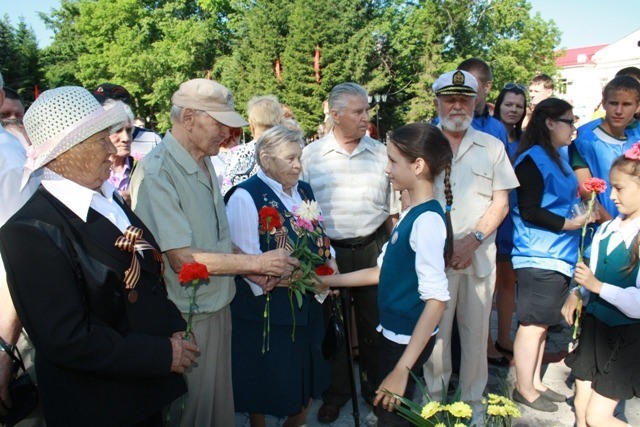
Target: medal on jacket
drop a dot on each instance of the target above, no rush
(133, 296)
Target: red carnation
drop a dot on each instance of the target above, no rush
(324, 270)
(269, 218)
(595, 185)
(192, 271)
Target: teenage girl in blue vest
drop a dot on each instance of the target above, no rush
(413, 285)
(605, 363)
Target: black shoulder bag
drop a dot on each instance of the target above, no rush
(23, 392)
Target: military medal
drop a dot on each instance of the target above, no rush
(133, 296)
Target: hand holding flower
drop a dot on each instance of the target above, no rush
(569, 308)
(396, 383)
(183, 354)
(585, 277)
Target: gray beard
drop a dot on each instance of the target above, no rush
(456, 125)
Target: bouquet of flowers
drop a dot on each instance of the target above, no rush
(305, 220)
(192, 275)
(594, 186)
(499, 411)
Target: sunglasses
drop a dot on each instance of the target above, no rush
(510, 86)
(570, 122)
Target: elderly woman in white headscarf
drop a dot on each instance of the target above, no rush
(85, 276)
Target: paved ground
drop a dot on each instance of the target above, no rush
(556, 376)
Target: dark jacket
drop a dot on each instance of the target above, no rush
(100, 360)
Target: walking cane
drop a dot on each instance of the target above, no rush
(346, 298)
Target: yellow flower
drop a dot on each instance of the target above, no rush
(459, 410)
(459, 425)
(430, 409)
(440, 425)
(493, 398)
(497, 410)
(513, 411)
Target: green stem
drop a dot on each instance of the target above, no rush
(192, 306)
(293, 315)
(266, 328)
(583, 234)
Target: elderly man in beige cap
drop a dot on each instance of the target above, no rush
(175, 193)
(481, 177)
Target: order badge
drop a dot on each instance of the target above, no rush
(394, 237)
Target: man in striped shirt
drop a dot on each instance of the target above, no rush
(346, 172)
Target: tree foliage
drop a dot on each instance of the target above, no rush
(392, 47)
(20, 65)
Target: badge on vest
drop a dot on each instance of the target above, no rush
(394, 237)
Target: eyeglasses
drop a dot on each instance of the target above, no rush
(570, 122)
(510, 86)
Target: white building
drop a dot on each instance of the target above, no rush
(586, 70)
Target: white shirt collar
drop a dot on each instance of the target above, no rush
(276, 186)
(626, 232)
(73, 195)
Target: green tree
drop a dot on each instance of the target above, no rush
(20, 58)
(148, 46)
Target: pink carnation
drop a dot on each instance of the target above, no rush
(304, 223)
(595, 185)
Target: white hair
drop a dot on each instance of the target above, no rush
(1, 82)
(109, 104)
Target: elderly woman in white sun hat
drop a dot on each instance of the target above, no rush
(85, 276)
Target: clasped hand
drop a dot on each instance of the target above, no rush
(184, 352)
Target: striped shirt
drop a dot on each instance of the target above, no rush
(352, 189)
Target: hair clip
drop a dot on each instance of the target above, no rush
(633, 153)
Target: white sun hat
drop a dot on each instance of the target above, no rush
(62, 118)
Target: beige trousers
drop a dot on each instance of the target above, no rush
(471, 296)
(209, 401)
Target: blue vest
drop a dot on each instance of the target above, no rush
(399, 303)
(610, 270)
(599, 155)
(245, 304)
(538, 247)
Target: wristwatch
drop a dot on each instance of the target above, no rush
(479, 235)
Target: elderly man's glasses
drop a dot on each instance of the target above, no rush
(510, 86)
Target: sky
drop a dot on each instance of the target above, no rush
(582, 22)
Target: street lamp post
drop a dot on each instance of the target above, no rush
(380, 99)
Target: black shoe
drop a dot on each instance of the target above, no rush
(553, 396)
(501, 349)
(498, 361)
(540, 404)
(328, 413)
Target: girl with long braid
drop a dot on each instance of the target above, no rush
(413, 286)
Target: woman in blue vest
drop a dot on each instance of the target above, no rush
(605, 363)
(283, 380)
(545, 243)
(413, 286)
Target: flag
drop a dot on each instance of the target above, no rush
(278, 73)
(316, 64)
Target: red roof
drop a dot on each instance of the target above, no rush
(578, 56)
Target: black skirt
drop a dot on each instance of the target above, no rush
(608, 357)
(540, 295)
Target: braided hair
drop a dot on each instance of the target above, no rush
(426, 141)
